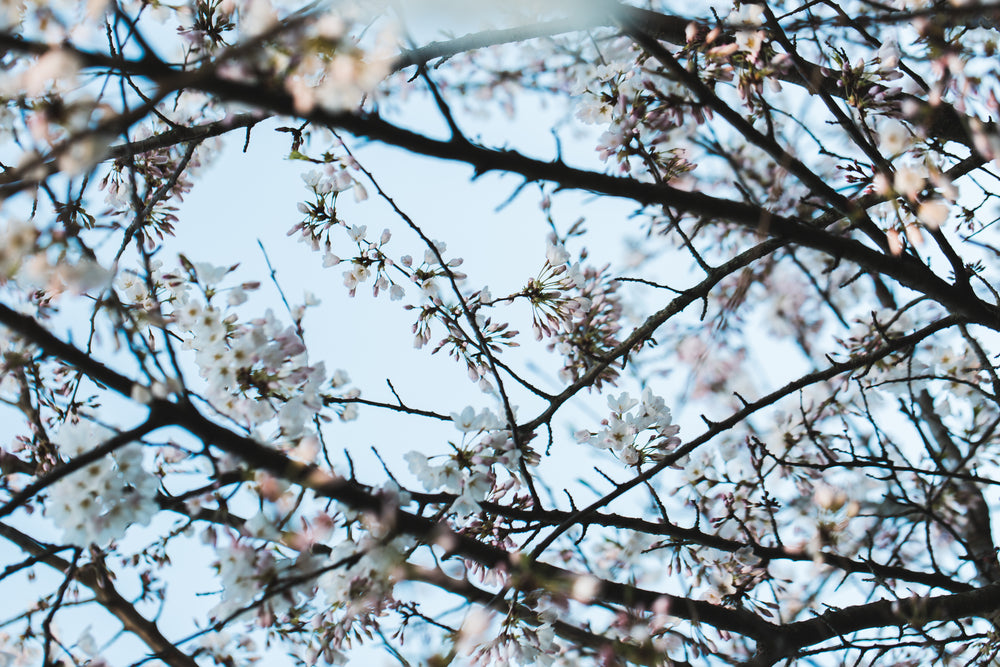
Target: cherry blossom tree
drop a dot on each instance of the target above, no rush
(749, 420)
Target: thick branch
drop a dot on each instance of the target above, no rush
(523, 572)
(915, 611)
(940, 120)
(10, 183)
(93, 577)
(739, 417)
(907, 270)
(639, 654)
(974, 522)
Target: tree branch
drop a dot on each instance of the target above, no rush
(94, 577)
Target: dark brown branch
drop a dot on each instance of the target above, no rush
(10, 183)
(94, 577)
(637, 654)
(915, 611)
(523, 572)
(769, 145)
(907, 270)
(941, 120)
(973, 521)
(724, 425)
(695, 536)
(113, 443)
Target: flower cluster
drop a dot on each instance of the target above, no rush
(368, 574)
(96, 504)
(326, 184)
(320, 62)
(920, 194)
(16, 651)
(749, 38)
(250, 573)
(255, 371)
(470, 472)
(642, 112)
(551, 304)
(17, 246)
(152, 182)
(869, 85)
(358, 592)
(834, 510)
(643, 435)
(520, 643)
(338, 72)
(735, 578)
(427, 274)
(370, 257)
(592, 330)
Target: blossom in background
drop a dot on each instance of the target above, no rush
(894, 136)
(933, 212)
(909, 181)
